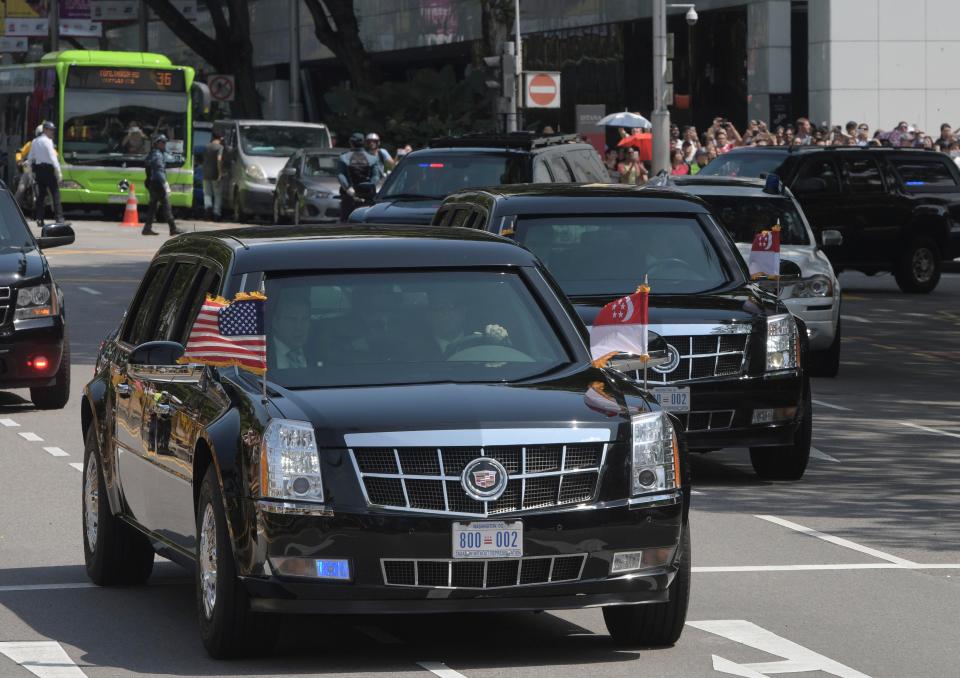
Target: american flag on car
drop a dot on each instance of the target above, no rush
(228, 333)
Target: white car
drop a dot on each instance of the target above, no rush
(745, 206)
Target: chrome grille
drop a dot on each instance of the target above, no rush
(418, 479)
(703, 357)
(4, 293)
(706, 421)
(483, 574)
(3, 314)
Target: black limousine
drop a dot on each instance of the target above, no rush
(431, 436)
(737, 374)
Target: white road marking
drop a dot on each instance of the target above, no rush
(8, 422)
(928, 429)
(45, 658)
(818, 454)
(47, 587)
(440, 669)
(89, 290)
(57, 452)
(795, 657)
(819, 567)
(696, 492)
(30, 436)
(379, 635)
(839, 541)
(830, 405)
(854, 318)
(77, 465)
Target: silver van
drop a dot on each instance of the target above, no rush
(254, 153)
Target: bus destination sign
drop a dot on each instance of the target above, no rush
(121, 77)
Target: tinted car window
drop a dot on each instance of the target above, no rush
(745, 216)
(142, 313)
(437, 175)
(402, 327)
(820, 168)
(863, 175)
(175, 298)
(744, 164)
(924, 174)
(603, 255)
(206, 282)
(318, 165)
(13, 229)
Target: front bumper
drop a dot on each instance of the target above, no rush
(23, 342)
(820, 315)
(365, 538)
(256, 198)
(321, 209)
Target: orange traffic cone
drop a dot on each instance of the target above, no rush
(130, 216)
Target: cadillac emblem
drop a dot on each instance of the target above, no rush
(484, 479)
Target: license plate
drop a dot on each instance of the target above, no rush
(488, 539)
(673, 398)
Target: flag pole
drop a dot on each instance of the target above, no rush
(646, 280)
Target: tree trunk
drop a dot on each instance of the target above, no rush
(335, 25)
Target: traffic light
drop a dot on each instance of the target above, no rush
(500, 75)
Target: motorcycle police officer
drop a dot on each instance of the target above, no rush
(355, 167)
(156, 168)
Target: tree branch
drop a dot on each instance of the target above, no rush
(193, 37)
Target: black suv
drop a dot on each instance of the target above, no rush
(897, 208)
(34, 350)
(440, 442)
(736, 377)
(414, 190)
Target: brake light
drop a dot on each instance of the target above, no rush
(40, 362)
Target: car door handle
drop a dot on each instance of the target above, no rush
(124, 390)
(162, 409)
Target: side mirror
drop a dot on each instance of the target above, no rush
(56, 235)
(367, 190)
(811, 185)
(289, 172)
(157, 361)
(831, 238)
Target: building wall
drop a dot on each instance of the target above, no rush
(883, 61)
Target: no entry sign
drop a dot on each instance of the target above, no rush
(541, 90)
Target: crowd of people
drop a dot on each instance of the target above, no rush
(691, 150)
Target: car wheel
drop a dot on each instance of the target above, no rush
(297, 209)
(278, 217)
(827, 363)
(788, 462)
(55, 397)
(114, 552)
(657, 624)
(918, 270)
(227, 625)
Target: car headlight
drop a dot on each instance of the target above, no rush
(783, 343)
(35, 302)
(814, 286)
(255, 173)
(316, 195)
(655, 460)
(70, 184)
(290, 462)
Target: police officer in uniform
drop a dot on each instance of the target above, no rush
(156, 167)
(356, 166)
(46, 171)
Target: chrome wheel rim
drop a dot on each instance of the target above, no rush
(91, 502)
(208, 561)
(923, 265)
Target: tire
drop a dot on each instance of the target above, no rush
(114, 552)
(55, 397)
(788, 462)
(918, 271)
(657, 624)
(278, 216)
(827, 363)
(228, 627)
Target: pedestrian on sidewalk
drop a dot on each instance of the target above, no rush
(212, 173)
(46, 171)
(156, 166)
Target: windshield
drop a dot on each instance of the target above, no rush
(405, 327)
(435, 176)
(744, 217)
(281, 141)
(13, 230)
(610, 255)
(735, 164)
(105, 126)
(320, 166)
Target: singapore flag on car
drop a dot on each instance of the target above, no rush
(621, 326)
(765, 253)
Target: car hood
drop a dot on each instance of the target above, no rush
(810, 259)
(329, 184)
(582, 398)
(400, 212)
(16, 266)
(271, 165)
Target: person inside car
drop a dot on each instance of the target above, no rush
(289, 329)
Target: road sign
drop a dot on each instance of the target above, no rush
(222, 87)
(541, 90)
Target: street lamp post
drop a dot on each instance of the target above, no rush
(660, 116)
(296, 107)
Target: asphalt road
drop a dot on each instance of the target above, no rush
(851, 572)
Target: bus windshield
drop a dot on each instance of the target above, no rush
(116, 126)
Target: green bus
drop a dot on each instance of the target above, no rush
(107, 107)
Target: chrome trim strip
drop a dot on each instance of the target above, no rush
(480, 437)
(4, 292)
(672, 497)
(511, 476)
(700, 329)
(293, 509)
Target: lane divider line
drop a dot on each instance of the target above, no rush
(8, 422)
(821, 403)
(822, 567)
(440, 669)
(854, 318)
(77, 465)
(89, 290)
(928, 429)
(839, 541)
(56, 452)
(48, 587)
(30, 436)
(818, 454)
